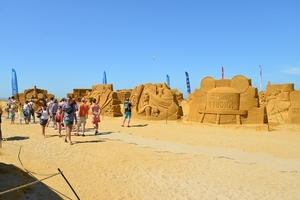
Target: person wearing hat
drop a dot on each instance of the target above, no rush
(127, 111)
(83, 114)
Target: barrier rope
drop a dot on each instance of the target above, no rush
(28, 184)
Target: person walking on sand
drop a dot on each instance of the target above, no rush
(68, 115)
(44, 111)
(31, 103)
(83, 113)
(49, 105)
(96, 111)
(1, 111)
(127, 111)
(26, 112)
(9, 103)
(20, 112)
(58, 119)
(53, 111)
(11, 114)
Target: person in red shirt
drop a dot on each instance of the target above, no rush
(83, 114)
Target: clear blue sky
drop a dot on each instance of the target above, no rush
(59, 45)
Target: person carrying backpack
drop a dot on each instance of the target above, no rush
(127, 111)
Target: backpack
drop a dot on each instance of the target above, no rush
(127, 106)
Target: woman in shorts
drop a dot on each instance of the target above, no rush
(96, 111)
(68, 113)
(44, 111)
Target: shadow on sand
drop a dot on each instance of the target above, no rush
(16, 138)
(139, 125)
(87, 141)
(12, 177)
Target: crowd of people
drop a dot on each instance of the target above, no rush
(66, 114)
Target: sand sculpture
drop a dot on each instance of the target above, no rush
(106, 98)
(123, 94)
(226, 101)
(279, 98)
(38, 96)
(78, 94)
(155, 102)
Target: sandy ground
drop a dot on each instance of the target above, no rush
(153, 160)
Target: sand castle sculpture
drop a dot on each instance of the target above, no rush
(78, 94)
(226, 101)
(279, 98)
(106, 98)
(37, 95)
(123, 94)
(155, 102)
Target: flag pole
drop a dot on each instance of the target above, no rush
(222, 72)
(260, 77)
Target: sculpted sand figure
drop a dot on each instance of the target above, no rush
(146, 106)
(106, 98)
(279, 98)
(226, 101)
(160, 90)
(38, 96)
(155, 101)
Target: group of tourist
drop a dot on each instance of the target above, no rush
(66, 113)
(25, 112)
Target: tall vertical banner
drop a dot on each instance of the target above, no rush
(104, 78)
(260, 77)
(168, 80)
(222, 72)
(188, 86)
(14, 82)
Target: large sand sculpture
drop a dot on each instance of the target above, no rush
(226, 101)
(279, 98)
(106, 98)
(155, 102)
(37, 95)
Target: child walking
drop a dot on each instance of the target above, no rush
(11, 114)
(20, 112)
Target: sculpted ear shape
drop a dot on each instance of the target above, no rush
(240, 83)
(207, 84)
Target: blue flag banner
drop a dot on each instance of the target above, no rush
(168, 81)
(104, 78)
(222, 72)
(14, 82)
(188, 83)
